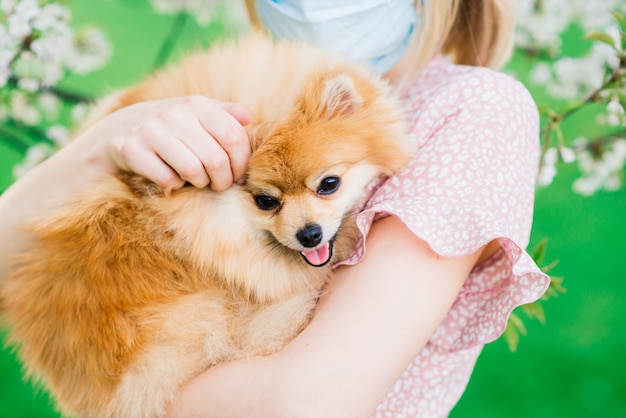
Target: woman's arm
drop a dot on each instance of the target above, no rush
(42, 189)
(372, 321)
(170, 141)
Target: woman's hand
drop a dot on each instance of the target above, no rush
(194, 139)
(191, 139)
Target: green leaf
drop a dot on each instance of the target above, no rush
(514, 328)
(535, 310)
(601, 37)
(511, 336)
(544, 110)
(621, 19)
(556, 287)
(572, 107)
(547, 267)
(539, 252)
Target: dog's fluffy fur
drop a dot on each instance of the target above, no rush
(130, 290)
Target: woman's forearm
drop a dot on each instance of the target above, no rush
(373, 319)
(47, 186)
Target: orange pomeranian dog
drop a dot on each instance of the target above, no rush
(130, 290)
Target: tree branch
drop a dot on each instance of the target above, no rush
(58, 92)
(595, 144)
(170, 40)
(13, 139)
(70, 96)
(555, 118)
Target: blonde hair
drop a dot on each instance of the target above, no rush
(481, 33)
(470, 32)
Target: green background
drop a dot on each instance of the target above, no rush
(573, 366)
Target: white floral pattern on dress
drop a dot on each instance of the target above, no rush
(472, 181)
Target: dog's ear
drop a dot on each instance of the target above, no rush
(340, 97)
(258, 132)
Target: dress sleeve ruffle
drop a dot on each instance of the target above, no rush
(471, 182)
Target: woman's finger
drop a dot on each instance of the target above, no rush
(171, 144)
(146, 163)
(207, 161)
(194, 139)
(228, 131)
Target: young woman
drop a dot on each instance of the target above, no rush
(442, 261)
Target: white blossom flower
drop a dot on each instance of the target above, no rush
(4, 76)
(595, 15)
(53, 75)
(50, 105)
(567, 155)
(18, 26)
(541, 27)
(550, 157)
(52, 16)
(614, 32)
(547, 171)
(546, 175)
(34, 155)
(615, 107)
(612, 183)
(38, 48)
(79, 112)
(7, 6)
(53, 48)
(28, 84)
(91, 50)
(168, 6)
(26, 9)
(21, 108)
(615, 114)
(59, 134)
(204, 11)
(541, 74)
(9, 49)
(586, 186)
(4, 112)
(540, 24)
(603, 172)
(575, 77)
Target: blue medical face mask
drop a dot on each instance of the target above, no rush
(374, 32)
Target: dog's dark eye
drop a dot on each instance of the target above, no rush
(265, 202)
(329, 185)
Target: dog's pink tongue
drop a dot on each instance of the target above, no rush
(318, 256)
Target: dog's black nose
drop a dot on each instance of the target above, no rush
(310, 235)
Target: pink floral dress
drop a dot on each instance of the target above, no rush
(472, 181)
